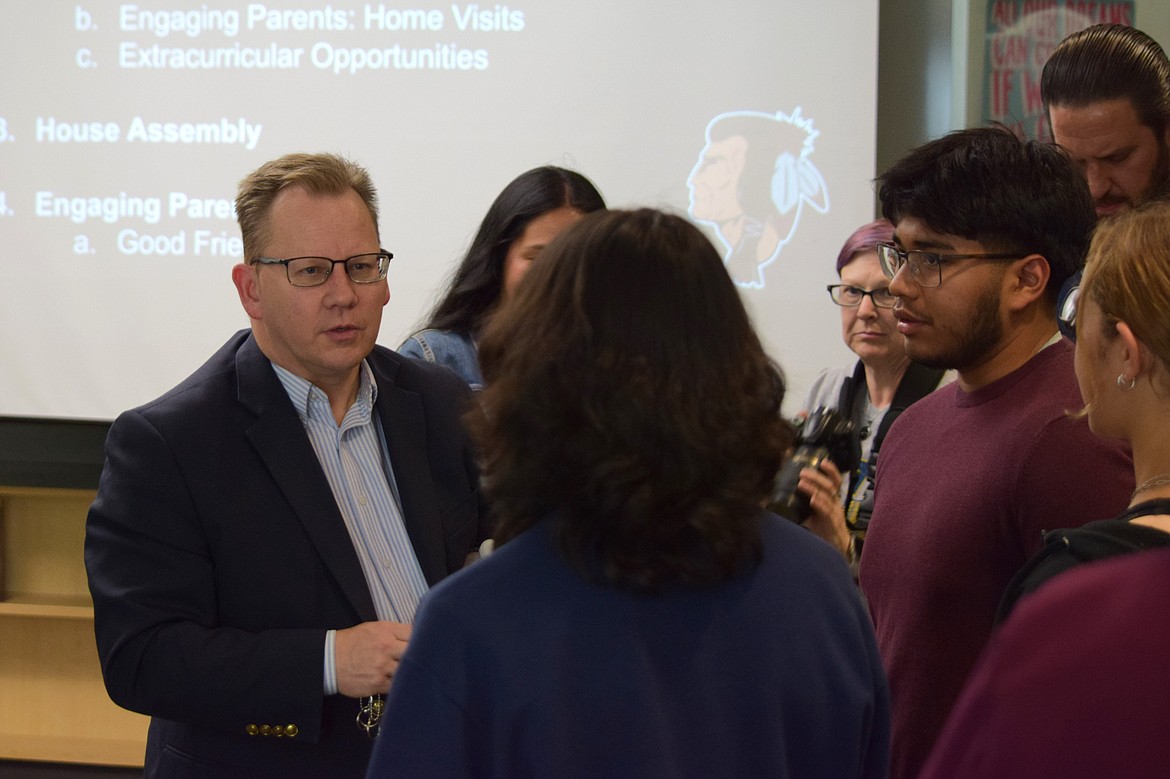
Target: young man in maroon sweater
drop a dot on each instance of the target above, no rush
(987, 229)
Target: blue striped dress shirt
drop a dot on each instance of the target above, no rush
(356, 460)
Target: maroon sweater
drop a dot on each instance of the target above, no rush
(1076, 683)
(967, 483)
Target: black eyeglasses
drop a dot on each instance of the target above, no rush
(315, 271)
(926, 267)
(850, 296)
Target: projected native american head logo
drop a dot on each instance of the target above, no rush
(752, 182)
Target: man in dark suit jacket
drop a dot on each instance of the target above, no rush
(231, 574)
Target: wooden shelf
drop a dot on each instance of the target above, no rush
(52, 606)
(46, 492)
(74, 749)
(54, 705)
(42, 536)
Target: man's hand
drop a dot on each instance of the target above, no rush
(367, 655)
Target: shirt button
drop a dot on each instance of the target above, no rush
(362, 500)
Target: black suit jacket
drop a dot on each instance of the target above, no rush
(217, 560)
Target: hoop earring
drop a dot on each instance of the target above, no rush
(1126, 384)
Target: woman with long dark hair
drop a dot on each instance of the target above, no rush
(529, 213)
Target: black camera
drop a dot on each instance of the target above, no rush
(825, 434)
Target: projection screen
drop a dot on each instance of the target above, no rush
(125, 127)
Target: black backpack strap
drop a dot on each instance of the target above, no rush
(918, 382)
(849, 389)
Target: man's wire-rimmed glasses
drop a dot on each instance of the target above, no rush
(926, 267)
(313, 271)
(849, 296)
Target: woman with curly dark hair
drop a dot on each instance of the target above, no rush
(641, 615)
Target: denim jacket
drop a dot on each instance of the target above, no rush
(453, 350)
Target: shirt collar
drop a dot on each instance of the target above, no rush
(301, 391)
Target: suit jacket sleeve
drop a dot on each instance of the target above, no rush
(160, 597)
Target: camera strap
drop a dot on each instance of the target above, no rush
(917, 382)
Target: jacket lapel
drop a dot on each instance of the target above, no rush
(403, 420)
(281, 443)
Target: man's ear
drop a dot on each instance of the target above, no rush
(1028, 280)
(248, 286)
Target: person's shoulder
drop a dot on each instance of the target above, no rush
(804, 577)
(426, 344)
(1092, 596)
(438, 339)
(1051, 369)
(1057, 359)
(1054, 428)
(504, 586)
(187, 412)
(414, 374)
(1091, 638)
(437, 345)
(417, 346)
(921, 415)
(210, 383)
(800, 553)
(1067, 548)
(944, 396)
(454, 350)
(825, 388)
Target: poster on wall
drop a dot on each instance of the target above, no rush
(1021, 35)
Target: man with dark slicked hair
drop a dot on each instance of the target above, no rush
(1106, 90)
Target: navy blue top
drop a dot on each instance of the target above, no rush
(520, 667)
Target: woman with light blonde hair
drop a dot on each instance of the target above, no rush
(1123, 368)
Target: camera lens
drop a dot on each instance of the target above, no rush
(788, 501)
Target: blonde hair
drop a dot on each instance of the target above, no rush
(1127, 274)
(320, 174)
